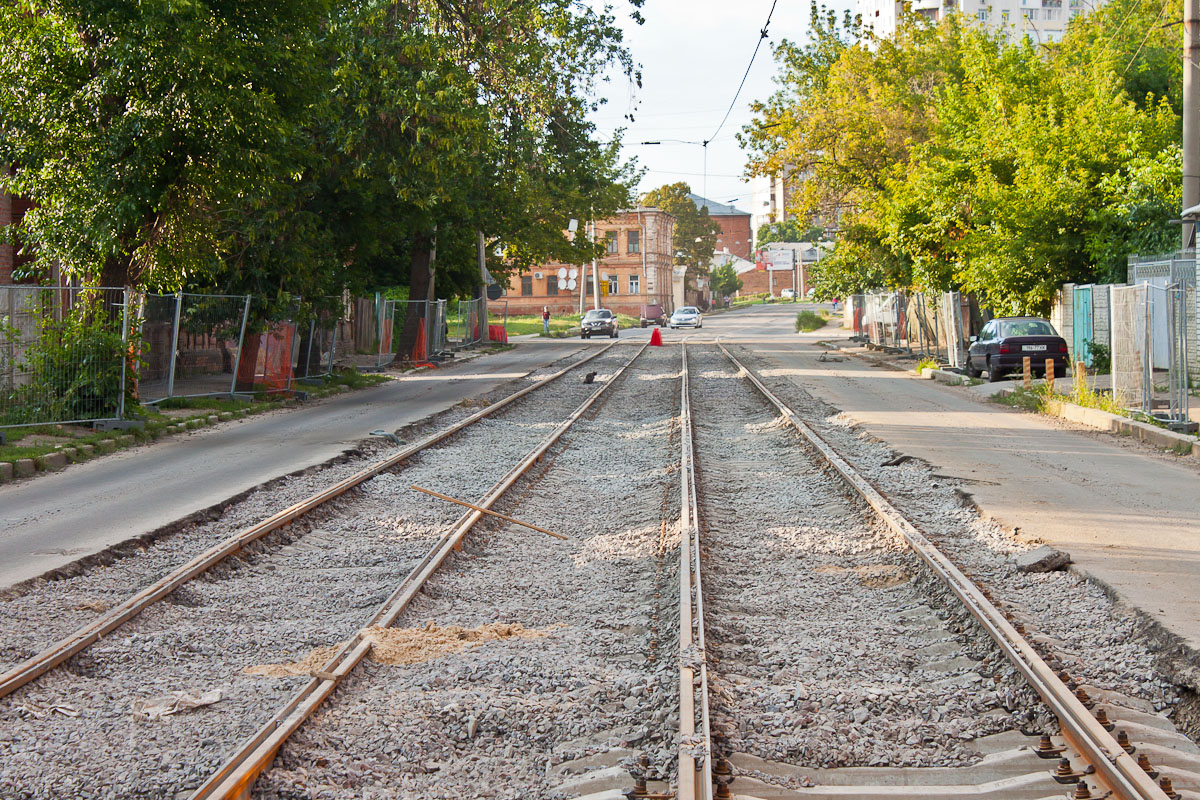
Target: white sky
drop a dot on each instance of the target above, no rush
(693, 54)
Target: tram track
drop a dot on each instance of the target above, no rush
(1111, 770)
(163, 649)
(112, 618)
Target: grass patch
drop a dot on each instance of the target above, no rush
(808, 321)
(1038, 398)
(926, 363)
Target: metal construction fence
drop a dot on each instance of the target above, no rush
(62, 354)
(928, 324)
(70, 354)
(1150, 348)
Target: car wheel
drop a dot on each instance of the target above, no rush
(970, 369)
(994, 375)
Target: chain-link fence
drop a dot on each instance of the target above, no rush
(468, 326)
(191, 344)
(63, 354)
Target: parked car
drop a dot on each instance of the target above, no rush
(1004, 343)
(686, 317)
(787, 294)
(598, 321)
(652, 314)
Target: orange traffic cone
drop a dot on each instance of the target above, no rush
(656, 338)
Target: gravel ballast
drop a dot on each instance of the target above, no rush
(832, 645)
(506, 718)
(74, 732)
(1099, 642)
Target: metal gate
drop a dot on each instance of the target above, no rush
(1081, 306)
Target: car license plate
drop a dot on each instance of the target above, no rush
(1033, 348)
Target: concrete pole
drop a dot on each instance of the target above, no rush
(1191, 111)
(483, 298)
(596, 282)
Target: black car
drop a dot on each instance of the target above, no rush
(1004, 343)
(598, 321)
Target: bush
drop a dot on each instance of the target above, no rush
(809, 321)
(74, 372)
(1101, 358)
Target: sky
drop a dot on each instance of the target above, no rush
(693, 55)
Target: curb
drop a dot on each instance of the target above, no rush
(1179, 443)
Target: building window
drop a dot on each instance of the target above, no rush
(614, 286)
(589, 289)
(633, 242)
(612, 242)
(552, 285)
(526, 285)
(635, 284)
(1004, 16)
(982, 16)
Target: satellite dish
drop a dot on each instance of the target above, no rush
(571, 284)
(562, 272)
(574, 273)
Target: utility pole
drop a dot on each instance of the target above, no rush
(596, 273)
(1191, 113)
(483, 285)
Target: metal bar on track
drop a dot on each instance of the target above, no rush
(237, 775)
(85, 636)
(1114, 767)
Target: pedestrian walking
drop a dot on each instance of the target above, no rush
(545, 320)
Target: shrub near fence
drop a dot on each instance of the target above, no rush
(62, 354)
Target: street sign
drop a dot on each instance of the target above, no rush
(495, 291)
(780, 259)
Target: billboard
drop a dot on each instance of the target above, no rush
(781, 259)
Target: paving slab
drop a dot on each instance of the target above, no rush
(61, 517)
(1127, 516)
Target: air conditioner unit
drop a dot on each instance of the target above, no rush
(537, 275)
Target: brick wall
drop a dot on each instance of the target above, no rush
(6, 251)
(735, 234)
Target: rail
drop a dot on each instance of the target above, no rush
(235, 778)
(87, 635)
(1114, 767)
(695, 781)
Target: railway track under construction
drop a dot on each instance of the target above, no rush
(667, 584)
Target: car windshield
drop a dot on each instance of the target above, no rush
(1027, 327)
(598, 314)
(688, 310)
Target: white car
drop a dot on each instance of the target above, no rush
(686, 317)
(787, 294)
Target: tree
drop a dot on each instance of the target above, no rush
(725, 281)
(788, 231)
(961, 160)
(696, 234)
(132, 125)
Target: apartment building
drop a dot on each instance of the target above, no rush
(1043, 21)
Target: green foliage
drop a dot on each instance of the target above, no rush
(789, 231)
(74, 369)
(725, 281)
(957, 160)
(695, 233)
(809, 321)
(924, 364)
(1101, 357)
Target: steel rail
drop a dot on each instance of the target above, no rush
(691, 614)
(87, 635)
(1115, 768)
(235, 778)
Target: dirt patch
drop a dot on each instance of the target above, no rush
(404, 646)
(873, 576)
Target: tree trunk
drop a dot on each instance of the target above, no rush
(420, 284)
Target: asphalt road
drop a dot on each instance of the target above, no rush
(57, 518)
